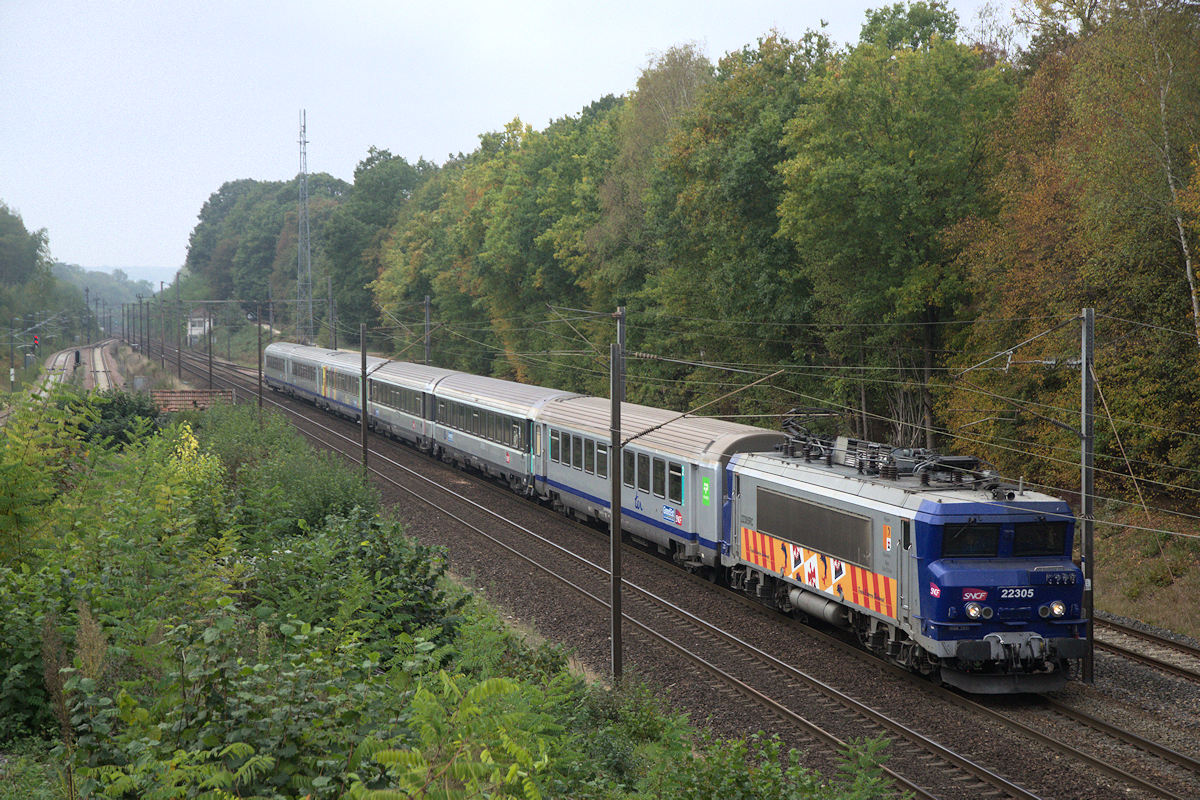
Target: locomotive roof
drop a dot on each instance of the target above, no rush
(906, 491)
(688, 437)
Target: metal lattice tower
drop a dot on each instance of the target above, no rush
(304, 301)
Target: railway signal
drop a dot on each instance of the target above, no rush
(35, 341)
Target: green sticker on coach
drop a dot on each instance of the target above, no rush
(705, 491)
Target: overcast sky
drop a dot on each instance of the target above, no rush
(119, 119)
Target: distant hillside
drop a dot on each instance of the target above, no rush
(112, 288)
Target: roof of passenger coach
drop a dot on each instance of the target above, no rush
(300, 350)
(346, 359)
(406, 373)
(351, 361)
(689, 437)
(516, 398)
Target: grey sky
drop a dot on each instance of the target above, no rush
(119, 119)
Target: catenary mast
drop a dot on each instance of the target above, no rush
(304, 301)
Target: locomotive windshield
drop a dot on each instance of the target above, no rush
(1041, 538)
(970, 539)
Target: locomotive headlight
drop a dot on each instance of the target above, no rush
(1058, 608)
(974, 611)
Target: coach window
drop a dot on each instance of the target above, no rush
(675, 483)
(660, 478)
(577, 452)
(627, 471)
(601, 460)
(554, 446)
(516, 435)
(643, 472)
(589, 456)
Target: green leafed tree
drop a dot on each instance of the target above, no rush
(23, 253)
(712, 211)
(888, 153)
(621, 248)
(353, 236)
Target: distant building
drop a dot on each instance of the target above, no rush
(198, 325)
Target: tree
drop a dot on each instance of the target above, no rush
(1088, 217)
(352, 237)
(667, 88)
(887, 155)
(914, 27)
(1138, 82)
(712, 212)
(23, 254)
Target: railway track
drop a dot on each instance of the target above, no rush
(59, 369)
(102, 377)
(1176, 658)
(772, 684)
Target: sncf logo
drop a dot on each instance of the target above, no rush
(978, 595)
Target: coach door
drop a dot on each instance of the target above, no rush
(538, 466)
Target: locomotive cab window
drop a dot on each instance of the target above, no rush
(1041, 538)
(970, 539)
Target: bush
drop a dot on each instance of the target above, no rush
(245, 709)
(114, 417)
(276, 478)
(755, 769)
(364, 579)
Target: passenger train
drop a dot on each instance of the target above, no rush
(932, 562)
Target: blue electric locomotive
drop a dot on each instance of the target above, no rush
(932, 562)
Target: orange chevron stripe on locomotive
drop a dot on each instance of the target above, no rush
(820, 572)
